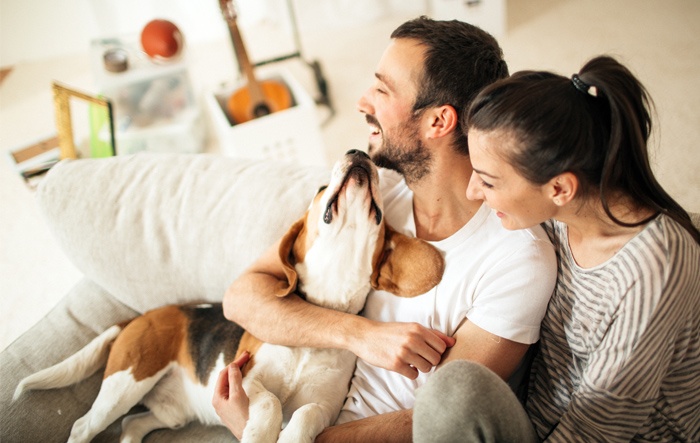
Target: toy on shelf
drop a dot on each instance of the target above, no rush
(162, 40)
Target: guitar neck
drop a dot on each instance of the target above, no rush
(254, 87)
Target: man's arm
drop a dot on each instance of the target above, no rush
(405, 348)
(393, 427)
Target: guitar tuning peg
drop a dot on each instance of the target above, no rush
(228, 9)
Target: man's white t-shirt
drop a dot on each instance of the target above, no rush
(500, 280)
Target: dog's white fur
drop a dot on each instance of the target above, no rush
(338, 251)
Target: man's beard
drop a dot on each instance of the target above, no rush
(404, 153)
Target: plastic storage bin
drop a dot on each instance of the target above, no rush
(154, 106)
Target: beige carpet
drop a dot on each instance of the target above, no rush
(659, 41)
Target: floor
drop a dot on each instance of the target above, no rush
(657, 40)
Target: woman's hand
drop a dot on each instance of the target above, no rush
(230, 400)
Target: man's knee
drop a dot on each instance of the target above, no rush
(458, 381)
(465, 401)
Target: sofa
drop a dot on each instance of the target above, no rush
(146, 230)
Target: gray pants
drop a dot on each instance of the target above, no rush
(466, 402)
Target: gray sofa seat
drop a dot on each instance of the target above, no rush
(145, 230)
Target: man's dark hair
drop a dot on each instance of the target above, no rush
(460, 60)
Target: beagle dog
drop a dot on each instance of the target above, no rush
(168, 359)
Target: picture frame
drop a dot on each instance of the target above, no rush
(100, 122)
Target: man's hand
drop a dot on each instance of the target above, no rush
(230, 400)
(405, 348)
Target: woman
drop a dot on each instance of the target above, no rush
(619, 352)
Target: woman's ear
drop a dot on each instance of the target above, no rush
(563, 188)
(443, 121)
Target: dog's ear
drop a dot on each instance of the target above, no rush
(286, 256)
(408, 267)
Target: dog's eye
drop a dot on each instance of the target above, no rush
(321, 189)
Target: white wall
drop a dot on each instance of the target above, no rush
(34, 29)
(39, 29)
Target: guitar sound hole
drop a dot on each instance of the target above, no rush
(261, 110)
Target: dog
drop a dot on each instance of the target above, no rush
(168, 358)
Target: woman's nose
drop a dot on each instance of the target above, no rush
(474, 188)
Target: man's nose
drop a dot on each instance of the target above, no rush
(364, 105)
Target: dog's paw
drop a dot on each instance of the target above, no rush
(306, 423)
(296, 436)
(252, 435)
(80, 432)
(135, 427)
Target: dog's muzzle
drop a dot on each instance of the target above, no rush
(360, 169)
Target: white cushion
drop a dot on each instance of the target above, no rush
(154, 229)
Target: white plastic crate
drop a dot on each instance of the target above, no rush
(154, 105)
(293, 134)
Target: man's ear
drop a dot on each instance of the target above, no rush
(408, 267)
(286, 256)
(443, 121)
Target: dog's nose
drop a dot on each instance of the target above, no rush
(357, 152)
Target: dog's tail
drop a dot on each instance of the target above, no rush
(75, 368)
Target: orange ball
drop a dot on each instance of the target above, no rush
(161, 39)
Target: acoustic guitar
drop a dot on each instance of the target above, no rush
(256, 98)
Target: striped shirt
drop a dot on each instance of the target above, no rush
(620, 343)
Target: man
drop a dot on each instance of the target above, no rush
(496, 285)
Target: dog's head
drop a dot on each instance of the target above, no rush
(342, 245)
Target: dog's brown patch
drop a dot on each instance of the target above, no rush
(288, 258)
(4, 72)
(149, 343)
(251, 344)
(408, 266)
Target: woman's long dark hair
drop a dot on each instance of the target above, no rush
(595, 126)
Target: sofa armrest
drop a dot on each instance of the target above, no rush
(155, 229)
(48, 415)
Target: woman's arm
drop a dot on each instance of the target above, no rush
(631, 360)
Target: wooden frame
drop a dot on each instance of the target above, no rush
(64, 122)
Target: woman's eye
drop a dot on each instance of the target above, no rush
(486, 185)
